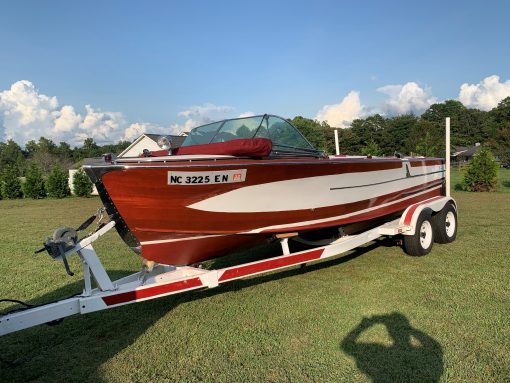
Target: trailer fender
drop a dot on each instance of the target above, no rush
(411, 214)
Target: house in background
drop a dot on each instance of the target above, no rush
(463, 155)
(145, 141)
(150, 142)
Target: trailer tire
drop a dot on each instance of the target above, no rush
(444, 224)
(420, 243)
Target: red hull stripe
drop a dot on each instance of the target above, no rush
(412, 209)
(151, 291)
(270, 264)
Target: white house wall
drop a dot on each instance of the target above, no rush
(137, 148)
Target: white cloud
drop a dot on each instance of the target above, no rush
(205, 111)
(136, 129)
(26, 114)
(66, 119)
(342, 114)
(186, 126)
(407, 98)
(246, 114)
(200, 115)
(486, 94)
(102, 126)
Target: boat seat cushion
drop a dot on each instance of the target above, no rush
(244, 147)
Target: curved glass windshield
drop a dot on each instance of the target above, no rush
(279, 131)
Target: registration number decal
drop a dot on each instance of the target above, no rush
(207, 178)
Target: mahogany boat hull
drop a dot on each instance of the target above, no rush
(177, 222)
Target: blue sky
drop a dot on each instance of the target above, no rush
(147, 62)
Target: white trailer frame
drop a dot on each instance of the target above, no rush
(163, 280)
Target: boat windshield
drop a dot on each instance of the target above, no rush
(282, 133)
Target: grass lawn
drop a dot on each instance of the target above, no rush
(373, 314)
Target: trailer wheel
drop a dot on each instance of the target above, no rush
(420, 243)
(444, 224)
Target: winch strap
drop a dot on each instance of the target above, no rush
(87, 223)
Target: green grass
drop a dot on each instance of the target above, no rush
(444, 316)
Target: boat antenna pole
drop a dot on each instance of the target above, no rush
(447, 156)
(337, 145)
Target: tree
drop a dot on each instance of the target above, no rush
(499, 130)
(57, 183)
(349, 143)
(500, 144)
(468, 125)
(64, 151)
(501, 113)
(482, 173)
(367, 130)
(11, 155)
(82, 186)
(46, 145)
(396, 134)
(10, 184)
(427, 146)
(31, 147)
(34, 183)
(319, 134)
(426, 139)
(371, 149)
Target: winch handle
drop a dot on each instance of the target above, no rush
(40, 250)
(66, 265)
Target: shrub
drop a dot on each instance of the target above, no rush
(82, 186)
(482, 173)
(57, 183)
(10, 184)
(34, 183)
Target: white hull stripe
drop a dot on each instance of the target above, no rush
(318, 192)
(339, 217)
(291, 225)
(182, 239)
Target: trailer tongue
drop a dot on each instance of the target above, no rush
(420, 224)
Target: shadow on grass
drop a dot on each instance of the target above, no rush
(76, 349)
(505, 183)
(413, 355)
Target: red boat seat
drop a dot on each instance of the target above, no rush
(243, 147)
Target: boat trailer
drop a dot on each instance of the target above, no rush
(157, 280)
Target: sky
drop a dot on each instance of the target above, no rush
(112, 70)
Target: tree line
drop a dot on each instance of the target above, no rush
(40, 169)
(43, 165)
(417, 135)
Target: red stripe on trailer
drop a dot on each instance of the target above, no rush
(412, 209)
(270, 264)
(409, 214)
(151, 291)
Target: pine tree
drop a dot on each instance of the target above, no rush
(482, 173)
(57, 183)
(10, 184)
(82, 186)
(34, 183)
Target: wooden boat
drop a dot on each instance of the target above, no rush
(240, 182)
